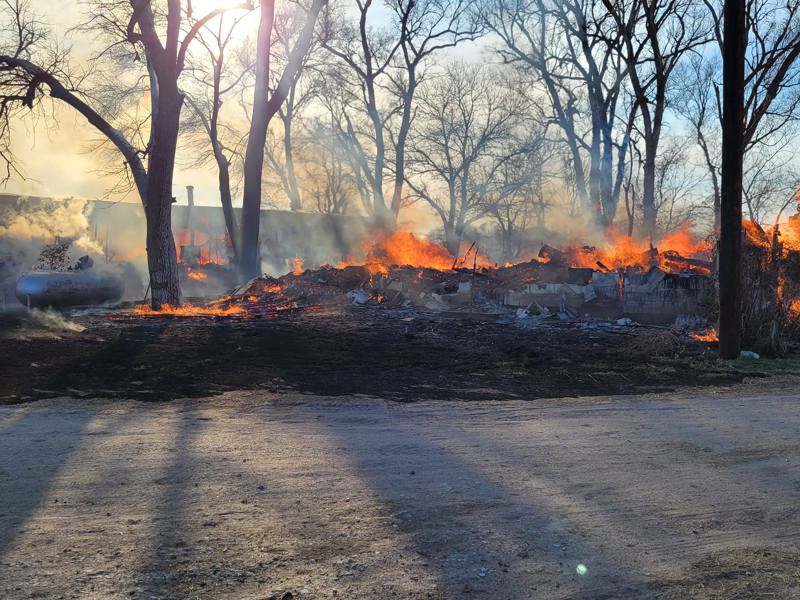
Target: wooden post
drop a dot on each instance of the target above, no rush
(730, 240)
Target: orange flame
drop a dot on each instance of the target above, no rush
(197, 275)
(708, 337)
(208, 244)
(682, 241)
(403, 248)
(790, 232)
(297, 266)
(625, 251)
(187, 310)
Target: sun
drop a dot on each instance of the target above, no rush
(233, 8)
(235, 18)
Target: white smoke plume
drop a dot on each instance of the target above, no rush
(28, 225)
(49, 319)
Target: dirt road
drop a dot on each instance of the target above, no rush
(251, 495)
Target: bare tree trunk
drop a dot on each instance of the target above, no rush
(649, 211)
(452, 240)
(250, 259)
(400, 148)
(162, 259)
(730, 243)
(226, 199)
(264, 108)
(291, 177)
(223, 166)
(607, 197)
(595, 196)
(382, 214)
(712, 170)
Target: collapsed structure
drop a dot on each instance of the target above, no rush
(401, 270)
(626, 281)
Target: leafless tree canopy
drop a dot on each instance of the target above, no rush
(517, 116)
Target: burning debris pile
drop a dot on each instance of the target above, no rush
(771, 296)
(399, 270)
(624, 280)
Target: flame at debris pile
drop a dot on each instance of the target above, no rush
(677, 252)
(399, 269)
(403, 248)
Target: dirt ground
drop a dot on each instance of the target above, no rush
(379, 353)
(350, 457)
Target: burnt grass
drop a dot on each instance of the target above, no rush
(359, 351)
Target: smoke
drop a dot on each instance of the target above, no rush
(49, 319)
(64, 218)
(316, 238)
(29, 225)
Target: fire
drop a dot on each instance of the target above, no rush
(776, 246)
(297, 266)
(197, 275)
(622, 251)
(403, 248)
(709, 336)
(790, 232)
(756, 233)
(187, 310)
(209, 247)
(682, 241)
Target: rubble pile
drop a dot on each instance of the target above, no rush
(534, 288)
(624, 282)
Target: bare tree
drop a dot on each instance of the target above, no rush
(771, 84)
(769, 178)
(677, 201)
(329, 180)
(367, 54)
(772, 73)
(517, 199)
(699, 107)
(215, 81)
(25, 81)
(573, 50)
(460, 140)
(303, 91)
(348, 130)
(265, 105)
(656, 34)
(427, 27)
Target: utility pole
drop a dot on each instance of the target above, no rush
(730, 239)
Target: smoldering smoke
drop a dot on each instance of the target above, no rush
(29, 225)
